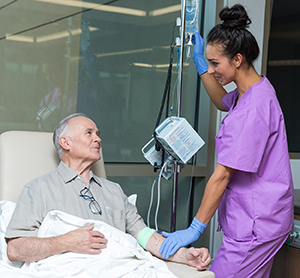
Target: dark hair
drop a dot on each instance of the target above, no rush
(233, 35)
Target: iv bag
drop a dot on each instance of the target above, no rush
(191, 18)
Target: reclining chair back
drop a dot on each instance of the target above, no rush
(25, 155)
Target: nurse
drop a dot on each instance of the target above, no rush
(252, 184)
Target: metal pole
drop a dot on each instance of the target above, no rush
(182, 36)
(179, 88)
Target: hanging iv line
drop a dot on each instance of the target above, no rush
(191, 23)
(166, 156)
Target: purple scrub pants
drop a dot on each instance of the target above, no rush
(245, 259)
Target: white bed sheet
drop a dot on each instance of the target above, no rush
(123, 256)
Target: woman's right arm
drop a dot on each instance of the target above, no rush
(214, 89)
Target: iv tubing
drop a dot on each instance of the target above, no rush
(158, 193)
(151, 201)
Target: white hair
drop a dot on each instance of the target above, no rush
(61, 130)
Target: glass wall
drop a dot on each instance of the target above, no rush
(109, 60)
(284, 64)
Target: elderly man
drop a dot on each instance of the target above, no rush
(74, 189)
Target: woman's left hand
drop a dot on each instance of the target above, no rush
(181, 238)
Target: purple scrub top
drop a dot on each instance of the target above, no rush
(259, 199)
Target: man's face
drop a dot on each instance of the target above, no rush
(84, 140)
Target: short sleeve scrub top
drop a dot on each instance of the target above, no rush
(258, 200)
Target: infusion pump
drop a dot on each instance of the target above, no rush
(178, 140)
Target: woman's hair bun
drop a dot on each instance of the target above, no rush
(235, 17)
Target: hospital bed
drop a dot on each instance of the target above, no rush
(25, 155)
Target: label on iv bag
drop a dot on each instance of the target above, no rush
(178, 138)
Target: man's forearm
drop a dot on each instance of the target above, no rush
(154, 244)
(83, 240)
(32, 249)
(198, 258)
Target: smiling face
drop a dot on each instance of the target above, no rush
(83, 140)
(223, 69)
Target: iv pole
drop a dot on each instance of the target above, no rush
(179, 90)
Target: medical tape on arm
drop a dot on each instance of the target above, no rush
(144, 236)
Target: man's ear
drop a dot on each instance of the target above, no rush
(64, 142)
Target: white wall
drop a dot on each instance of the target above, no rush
(256, 12)
(295, 165)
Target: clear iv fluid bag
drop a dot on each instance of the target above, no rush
(191, 17)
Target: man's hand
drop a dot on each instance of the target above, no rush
(85, 240)
(198, 258)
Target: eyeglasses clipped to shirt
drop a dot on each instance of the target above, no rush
(86, 194)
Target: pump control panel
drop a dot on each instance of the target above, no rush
(178, 139)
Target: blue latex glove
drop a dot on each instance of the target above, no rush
(198, 57)
(181, 238)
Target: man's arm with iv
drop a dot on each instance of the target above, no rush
(196, 257)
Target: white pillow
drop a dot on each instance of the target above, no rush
(132, 199)
(6, 211)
